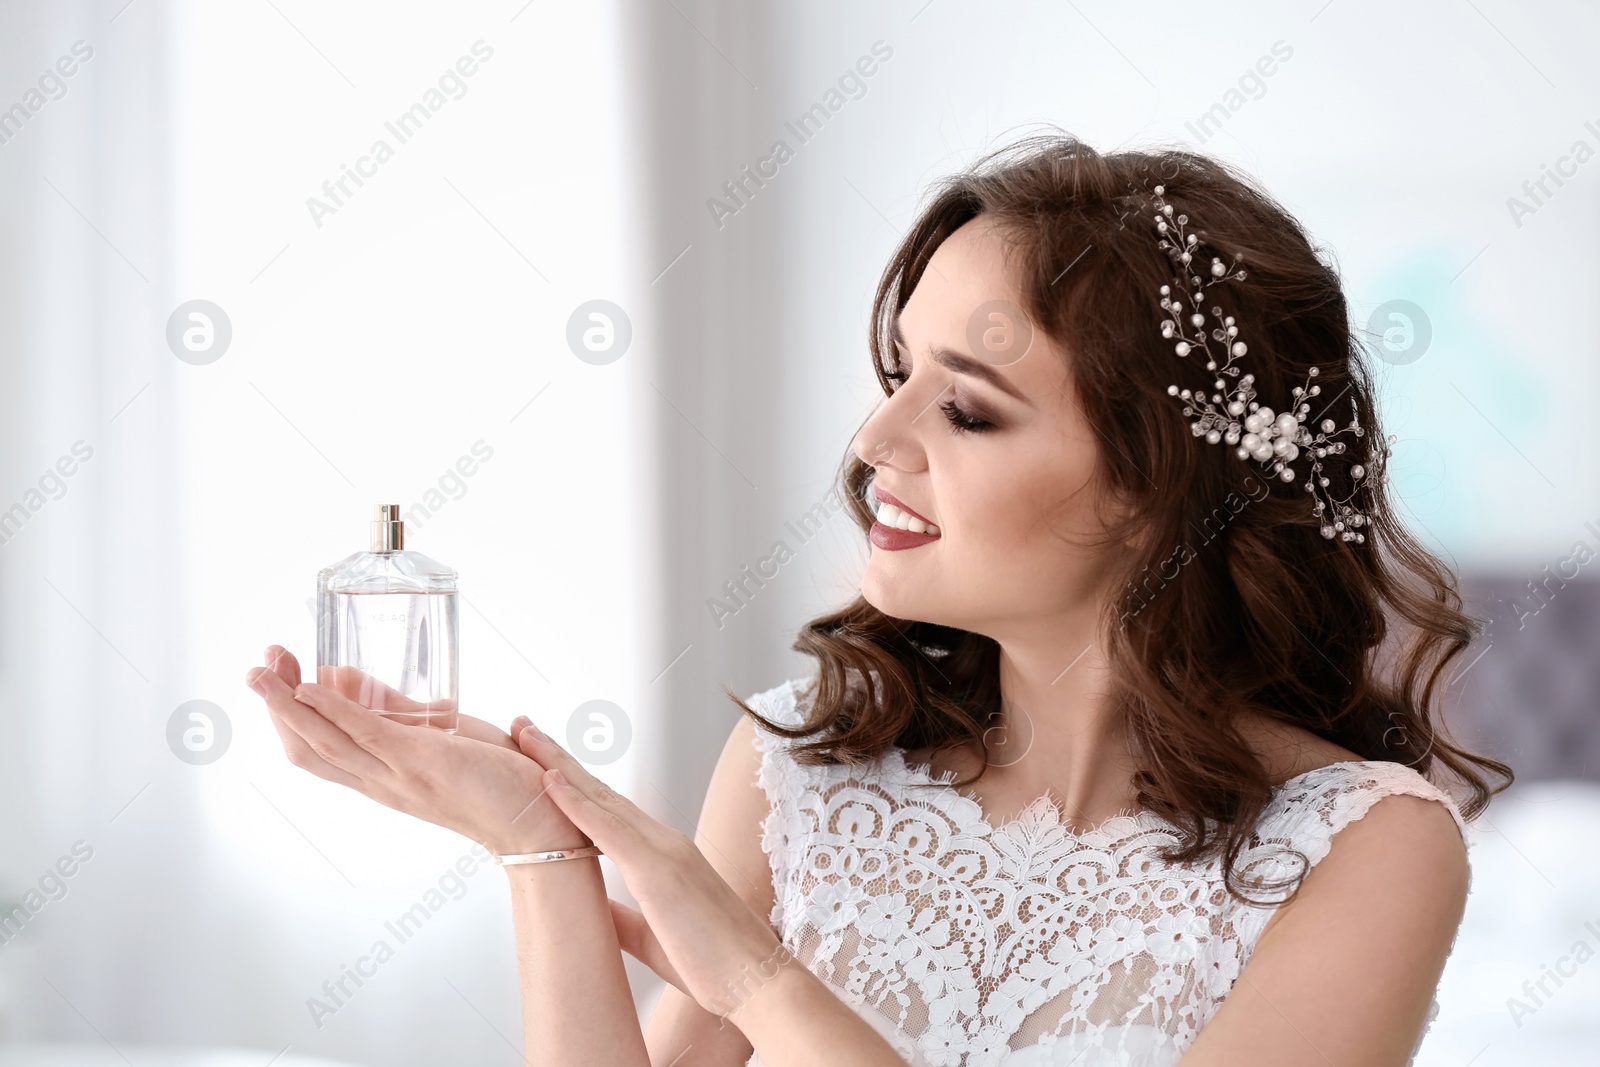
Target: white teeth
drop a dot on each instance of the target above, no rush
(890, 515)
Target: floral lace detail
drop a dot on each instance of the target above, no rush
(967, 944)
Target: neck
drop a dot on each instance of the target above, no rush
(1057, 729)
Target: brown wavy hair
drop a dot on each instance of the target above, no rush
(1348, 639)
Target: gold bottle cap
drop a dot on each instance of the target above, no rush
(388, 532)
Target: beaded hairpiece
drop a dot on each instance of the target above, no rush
(1274, 439)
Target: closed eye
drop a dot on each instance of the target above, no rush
(960, 420)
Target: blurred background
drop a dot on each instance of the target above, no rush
(394, 324)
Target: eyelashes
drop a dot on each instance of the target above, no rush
(961, 421)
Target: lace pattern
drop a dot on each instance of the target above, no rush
(968, 944)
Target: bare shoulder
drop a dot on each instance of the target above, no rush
(1346, 969)
(1398, 838)
(1406, 851)
(1399, 835)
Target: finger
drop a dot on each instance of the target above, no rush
(639, 941)
(537, 746)
(280, 659)
(616, 836)
(549, 755)
(527, 746)
(516, 739)
(370, 732)
(301, 754)
(359, 687)
(543, 749)
(324, 738)
(519, 724)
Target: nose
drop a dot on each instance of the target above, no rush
(871, 447)
(893, 434)
(889, 436)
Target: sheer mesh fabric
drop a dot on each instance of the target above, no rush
(967, 944)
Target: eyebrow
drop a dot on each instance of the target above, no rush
(963, 364)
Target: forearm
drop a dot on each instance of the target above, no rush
(577, 1009)
(794, 1020)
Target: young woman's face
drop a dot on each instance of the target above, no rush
(984, 440)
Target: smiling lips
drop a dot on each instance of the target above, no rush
(898, 527)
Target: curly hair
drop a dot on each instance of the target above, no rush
(1349, 639)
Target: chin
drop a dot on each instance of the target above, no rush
(883, 595)
(901, 601)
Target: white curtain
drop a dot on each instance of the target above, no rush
(94, 646)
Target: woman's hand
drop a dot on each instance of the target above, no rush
(476, 781)
(692, 928)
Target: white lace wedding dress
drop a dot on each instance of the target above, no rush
(968, 945)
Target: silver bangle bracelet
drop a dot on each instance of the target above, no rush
(546, 857)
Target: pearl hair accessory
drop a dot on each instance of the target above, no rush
(1274, 439)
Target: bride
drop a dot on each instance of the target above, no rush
(1127, 751)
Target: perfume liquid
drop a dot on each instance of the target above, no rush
(387, 629)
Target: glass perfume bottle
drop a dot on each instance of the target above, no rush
(387, 629)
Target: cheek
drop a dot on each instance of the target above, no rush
(1019, 501)
(997, 533)
(1024, 530)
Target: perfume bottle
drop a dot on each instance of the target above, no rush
(387, 630)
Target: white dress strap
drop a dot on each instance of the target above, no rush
(1323, 801)
(1309, 810)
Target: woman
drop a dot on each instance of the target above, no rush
(1119, 756)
